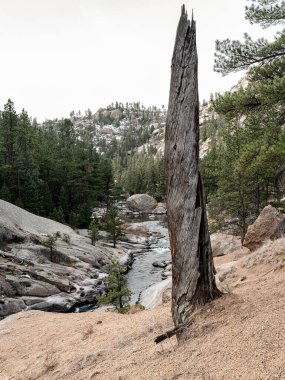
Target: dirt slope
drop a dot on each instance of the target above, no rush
(240, 336)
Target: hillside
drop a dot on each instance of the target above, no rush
(239, 336)
(113, 122)
(109, 127)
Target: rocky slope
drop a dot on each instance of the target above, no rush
(34, 277)
(113, 121)
(239, 336)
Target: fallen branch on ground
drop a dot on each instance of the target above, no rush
(176, 330)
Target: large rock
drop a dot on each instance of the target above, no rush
(269, 225)
(23, 223)
(153, 296)
(141, 203)
(26, 286)
(10, 306)
(61, 303)
(160, 209)
(223, 244)
(9, 232)
(159, 264)
(116, 114)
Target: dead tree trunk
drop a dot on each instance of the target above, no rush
(192, 261)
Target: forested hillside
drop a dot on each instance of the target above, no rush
(63, 168)
(49, 170)
(133, 137)
(245, 166)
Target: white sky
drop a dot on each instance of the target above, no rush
(64, 55)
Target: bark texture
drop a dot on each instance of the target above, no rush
(193, 268)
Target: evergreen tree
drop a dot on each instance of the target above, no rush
(265, 60)
(8, 132)
(50, 242)
(93, 230)
(113, 224)
(250, 157)
(9, 125)
(118, 292)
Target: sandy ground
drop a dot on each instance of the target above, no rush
(239, 336)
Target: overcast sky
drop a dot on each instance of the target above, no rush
(64, 55)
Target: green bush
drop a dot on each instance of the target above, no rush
(50, 242)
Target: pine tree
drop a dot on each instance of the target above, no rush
(265, 60)
(255, 172)
(50, 242)
(93, 230)
(113, 224)
(118, 292)
(9, 125)
(8, 132)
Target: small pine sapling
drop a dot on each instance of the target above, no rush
(93, 231)
(118, 292)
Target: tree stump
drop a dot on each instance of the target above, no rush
(192, 261)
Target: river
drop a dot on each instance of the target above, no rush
(143, 274)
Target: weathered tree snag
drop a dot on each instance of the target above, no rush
(192, 261)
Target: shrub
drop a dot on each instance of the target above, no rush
(66, 238)
(50, 242)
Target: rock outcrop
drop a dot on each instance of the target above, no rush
(269, 225)
(34, 277)
(153, 296)
(141, 203)
(223, 244)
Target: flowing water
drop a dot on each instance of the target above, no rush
(143, 274)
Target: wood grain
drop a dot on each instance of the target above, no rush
(193, 269)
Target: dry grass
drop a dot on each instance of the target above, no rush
(50, 362)
(135, 309)
(87, 331)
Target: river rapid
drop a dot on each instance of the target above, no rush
(143, 274)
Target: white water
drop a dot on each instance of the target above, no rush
(143, 274)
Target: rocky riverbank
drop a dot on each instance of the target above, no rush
(238, 336)
(32, 277)
(70, 276)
